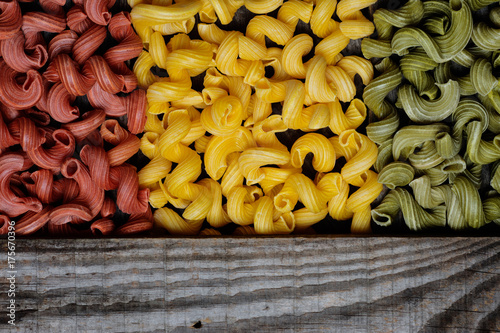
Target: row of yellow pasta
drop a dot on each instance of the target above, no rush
(215, 157)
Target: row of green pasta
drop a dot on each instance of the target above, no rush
(438, 136)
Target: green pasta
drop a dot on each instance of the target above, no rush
(416, 218)
(374, 48)
(478, 4)
(491, 208)
(434, 166)
(409, 14)
(396, 174)
(481, 77)
(486, 37)
(374, 96)
(407, 139)
(422, 110)
(439, 48)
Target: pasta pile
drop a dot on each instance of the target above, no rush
(448, 137)
(63, 167)
(214, 154)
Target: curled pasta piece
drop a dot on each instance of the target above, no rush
(323, 151)
(97, 10)
(13, 53)
(439, 48)
(90, 121)
(11, 203)
(59, 104)
(86, 45)
(296, 48)
(175, 224)
(223, 117)
(219, 148)
(89, 201)
(153, 14)
(415, 216)
(264, 222)
(279, 30)
(252, 159)
(299, 187)
(363, 156)
(62, 43)
(351, 119)
(104, 226)
(18, 90)
(11, 19)
(359, 202)
(375, 98)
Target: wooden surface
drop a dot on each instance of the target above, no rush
(382, 284)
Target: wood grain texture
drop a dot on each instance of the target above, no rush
(383, 284)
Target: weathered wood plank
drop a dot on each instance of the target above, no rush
(257, 284)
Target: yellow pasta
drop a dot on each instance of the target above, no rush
(220, 147)
(264, 222)
(225, 9)
(364, 157)
(296, 48)
(322, 23)
(223, 117)
(318, 89)
(154, 14)
(262, 6)
(252, 159)
(175, 224)
(351, 119)
(322, 149)
(252, 95)
(299, 187)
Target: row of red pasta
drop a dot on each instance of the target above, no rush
(63, 167)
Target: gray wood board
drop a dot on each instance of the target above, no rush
(302, 284)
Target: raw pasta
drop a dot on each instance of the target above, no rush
(215, 152)
(433, 164)
(59, 162)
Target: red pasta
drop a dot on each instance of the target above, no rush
(27, 134)
(88, 43)
(137, 223)
(6, 138)
(4, 224)
(62, 43)
(31, 222)
(19, 95)
(43, 133)
(64, 69)
(129, 199)
(108, 208)
(36, 22)
(133, 105)
(109, 171)
(90, 121)
(103, 227)
(129, 47)
(52, 157)
(10, 19)
(97, 10)
(77, 20)
(89, 201)
(53, 7)
(14, 54)
(12, 203)
(59, 106)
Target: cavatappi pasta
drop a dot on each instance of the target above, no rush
(441, 134)
(215, 153)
